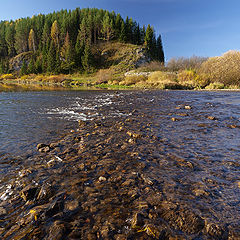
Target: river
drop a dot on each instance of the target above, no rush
(196, 161)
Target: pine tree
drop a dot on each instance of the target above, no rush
(10, 39)
(118, 26)
(87, 59)
(23, 70)
(160, 52)
(31, 66)
(38, 66)
(51, 58)
(67, 55)
(150, 41)
(123, 34)
(107, 29)
(79, 49)
(58, 67)
(21, 36)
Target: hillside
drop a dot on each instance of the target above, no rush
(81, 40)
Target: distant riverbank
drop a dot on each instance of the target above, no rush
(102, 80)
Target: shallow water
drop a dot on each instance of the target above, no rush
(197, 159)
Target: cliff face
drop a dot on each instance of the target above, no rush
(122, 57)
(16, 62)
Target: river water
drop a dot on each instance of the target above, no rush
(197, 130)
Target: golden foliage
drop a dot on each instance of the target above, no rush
(7, 76)
(133, 79)
(224, 69)
(104, 76)
(190, 79)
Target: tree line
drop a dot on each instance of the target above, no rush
(62, 42)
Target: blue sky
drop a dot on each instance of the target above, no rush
(188, 27)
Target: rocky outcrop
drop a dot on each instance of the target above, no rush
(16, 62)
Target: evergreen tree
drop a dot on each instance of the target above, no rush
(123, 34)
(23, 70)
(38, 65)
(31, 66)
(21, 36)
(79, 49)
(87, 59)
(118, 26)
(2, 69)
(67, 55)
(10, 39)
(61, 40)
(3, 44)
(150, 41)
(51, 58)
(159, 47)
(107, 29)
(58, 68)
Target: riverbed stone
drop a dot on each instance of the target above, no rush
(3, 211)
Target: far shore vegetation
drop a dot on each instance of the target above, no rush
(194, 73)
(97, 48)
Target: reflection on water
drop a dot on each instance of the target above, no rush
(198, 158)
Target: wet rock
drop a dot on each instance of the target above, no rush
(187, 107)
(81, 166)
(216, 231)
(211, 118)
(81, 123)
(46, 192)
(134, 135)
(105, 231)
(137, 221)
(182, 114)
(2, 211)
(29, 193)
(41, 145)
(128, 182)
(57, 231)
(44, 149)
(2, 230)
(174, 119)
(147, 180)
(120, 237)
(71, 205)
(54, 145)
(233, 126)
(200, 192)
(102, 179)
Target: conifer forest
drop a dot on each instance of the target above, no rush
(62, 42)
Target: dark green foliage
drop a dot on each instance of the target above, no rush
(31, 66)
(51, 58)
(45, 35)
(159, 47)
(23, 70)
(38, 65)
(87, 59)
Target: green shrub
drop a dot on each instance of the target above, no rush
(215, 85)
(190, 79)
